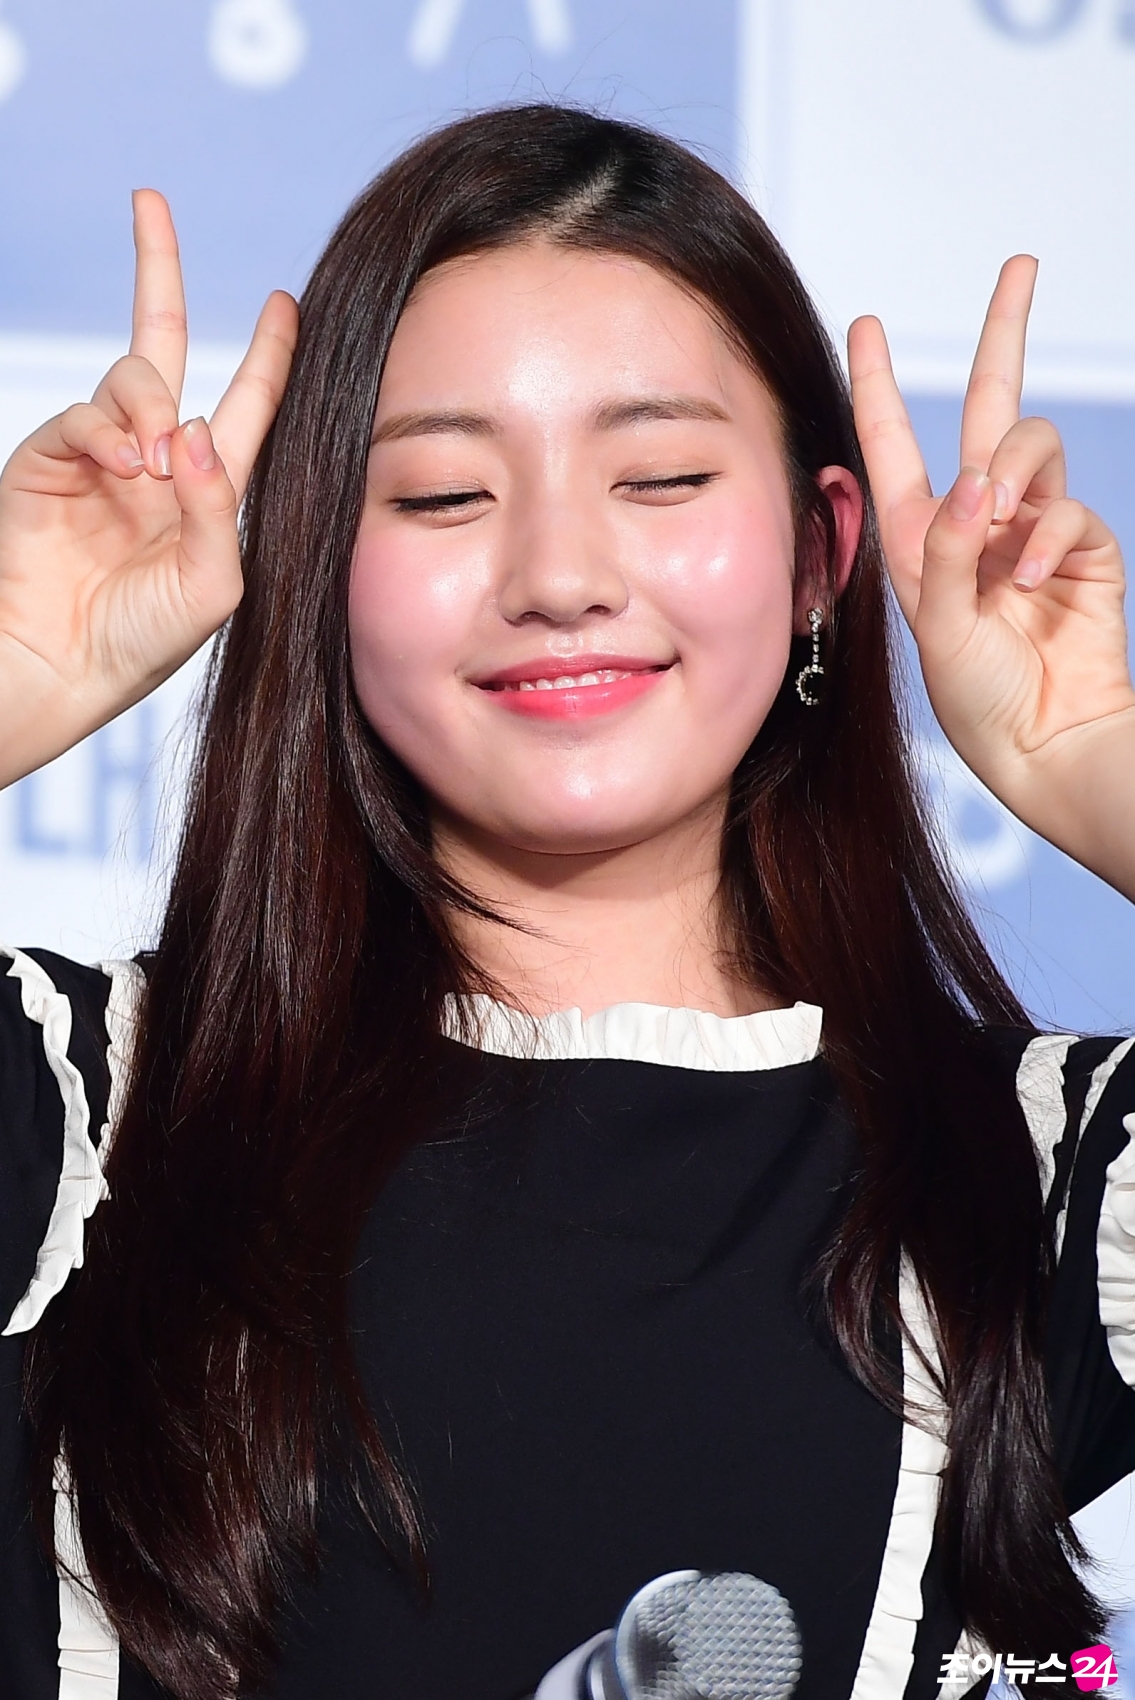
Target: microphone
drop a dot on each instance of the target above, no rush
(688, 1635)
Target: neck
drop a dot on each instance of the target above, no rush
(637, 924)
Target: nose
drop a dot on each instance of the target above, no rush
(558, 565)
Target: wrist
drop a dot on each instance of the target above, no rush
(1078, 792)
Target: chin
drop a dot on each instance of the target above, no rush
(571, 836)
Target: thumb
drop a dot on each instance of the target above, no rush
(209, 552)
(948, 593)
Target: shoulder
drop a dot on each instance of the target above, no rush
(1077, 1095)
(1078, 1098)
(65, 1040)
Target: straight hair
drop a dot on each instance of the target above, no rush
(197, 1374)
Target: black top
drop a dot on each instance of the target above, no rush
(582, 1314)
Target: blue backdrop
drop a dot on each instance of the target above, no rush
(260, 119)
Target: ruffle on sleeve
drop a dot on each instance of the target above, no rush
(81, 1183)
(88, 1646)
(1115, 1256)
(888, 1646)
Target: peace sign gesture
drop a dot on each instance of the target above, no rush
(118, 536)
(1014, 594)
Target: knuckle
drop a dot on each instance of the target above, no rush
(162, 319)
(262, 386)
(992, 383)
(221, 498)
(1039, 426)
(129, 368)
(141, 378)
(77, 419)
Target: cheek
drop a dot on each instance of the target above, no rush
(728, 587)
(408, 618)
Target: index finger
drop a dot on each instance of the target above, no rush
(886, 436)
(159, 331)
(993, 394)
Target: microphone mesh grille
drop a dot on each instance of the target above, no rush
(723, 1637)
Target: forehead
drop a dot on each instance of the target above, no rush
(544, 326)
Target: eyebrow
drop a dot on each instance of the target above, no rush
(608, 416)
(641, 410)
(449, 423)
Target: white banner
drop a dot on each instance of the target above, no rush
(903, 148)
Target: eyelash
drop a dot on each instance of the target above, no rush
(446, 499)
(450, 499)
(683, 480)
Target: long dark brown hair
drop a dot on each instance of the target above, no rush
(197, 1373)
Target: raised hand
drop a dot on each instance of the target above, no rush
(1014, 594)
(118, 536)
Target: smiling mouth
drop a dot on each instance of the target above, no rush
(577, 681)
(572, 697)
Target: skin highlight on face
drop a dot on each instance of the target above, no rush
(573, 591)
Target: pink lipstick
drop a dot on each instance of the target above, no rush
(563, 688)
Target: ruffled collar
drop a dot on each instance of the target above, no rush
(640, 1032)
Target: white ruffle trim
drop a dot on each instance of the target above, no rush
(1115, 1253)
(640, 1032)
(1040, 1092)
(888, 1646)
(127, 983)
(1040, 1088)
(1115, 1237)
(88, 1646)
(81, 1184)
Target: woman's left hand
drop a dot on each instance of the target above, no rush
(1014, 594)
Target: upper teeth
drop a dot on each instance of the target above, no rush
(564, 681)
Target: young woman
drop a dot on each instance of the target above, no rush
(462, 1216)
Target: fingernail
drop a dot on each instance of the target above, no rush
(199, 445)
(161, 457)
(1028, 575)
(965, 499)
(1000, 501)
(129, 457)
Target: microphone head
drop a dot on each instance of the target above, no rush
(690, 1636)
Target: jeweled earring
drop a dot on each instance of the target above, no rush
(805, 688)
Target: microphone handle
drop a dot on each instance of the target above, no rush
(574, 1677)
(599, 1679)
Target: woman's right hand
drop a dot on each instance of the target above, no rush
(118, 525)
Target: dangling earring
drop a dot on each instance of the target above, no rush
(814, 670)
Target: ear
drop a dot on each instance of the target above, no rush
(815, 588)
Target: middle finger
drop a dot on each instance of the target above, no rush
(993, 394)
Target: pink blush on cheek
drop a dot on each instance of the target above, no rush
(408, 619)
(733, 618)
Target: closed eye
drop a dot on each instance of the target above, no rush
(451, 501)
(440, 501)
(679, 481)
